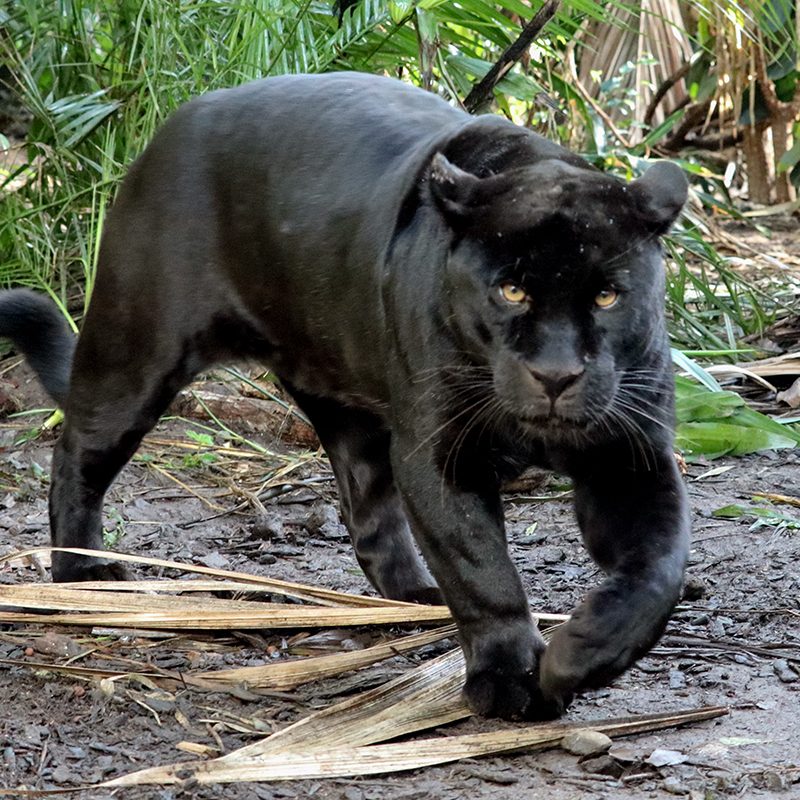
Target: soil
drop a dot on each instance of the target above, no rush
(734, 641)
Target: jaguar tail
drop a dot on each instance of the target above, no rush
(38, 330)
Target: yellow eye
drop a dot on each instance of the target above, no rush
(512, 293)
(606, 298)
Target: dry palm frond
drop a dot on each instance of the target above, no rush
(217, 615)
(348, 738)
(785, 365)
(654, 28)
(280, 676)
(397, 757)
(312, 594)
(288, 675)
(421, 698)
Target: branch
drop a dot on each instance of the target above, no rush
(694, 115)
(679, 74)
(481, 93)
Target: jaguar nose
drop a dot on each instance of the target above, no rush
(557, 379)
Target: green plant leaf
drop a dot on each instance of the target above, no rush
(714, 424)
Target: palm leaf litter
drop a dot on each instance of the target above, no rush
(349, 738)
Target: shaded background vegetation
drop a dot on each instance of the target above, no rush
(713, 84)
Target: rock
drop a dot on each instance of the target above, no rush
(64, 774)
(625, 753)
(318, 516)
(775, 781)
(550, 554)
(586, 743)
(784, 671)
(323, 521)
(57, 644)
(603, 765)
(215, 560)
(674, 786)
(677, 680)
(693, 588)
(267, 526)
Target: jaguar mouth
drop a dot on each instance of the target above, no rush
(553, 423)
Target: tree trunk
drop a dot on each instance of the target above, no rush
(784, 190)
(757, 165)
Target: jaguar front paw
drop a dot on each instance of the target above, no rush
(503, 673)
(495, 693)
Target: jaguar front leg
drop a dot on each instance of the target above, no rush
(635, 524)
(458, 522)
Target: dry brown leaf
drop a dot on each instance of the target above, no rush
(791, 396)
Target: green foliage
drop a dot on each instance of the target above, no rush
(762, 516)
(200, 459)
(100, 77)
(114, 527)
(719, 423)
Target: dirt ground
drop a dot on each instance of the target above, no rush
(734, 641)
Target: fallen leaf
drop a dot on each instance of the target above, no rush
(791, 396)
(665, 758)
(740, 741)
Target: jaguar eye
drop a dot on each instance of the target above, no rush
(512, 293)
(607, 298)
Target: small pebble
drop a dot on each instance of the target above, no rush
(549, 554)
(586, 743)
(267, 526)
(602, 765)
(624, 753)
(674, 786)
(784, 672)
(775, 781)
(693, 589)
(677, 680)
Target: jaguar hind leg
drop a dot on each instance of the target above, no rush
(123, 379)
(357, 444)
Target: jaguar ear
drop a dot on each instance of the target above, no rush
(661, 193)
(454, 190)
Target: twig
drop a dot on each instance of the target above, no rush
(481, 93)
(663, 90)
(691, 642)
(694, 116)
(170, 476)
(780, 498)
(576, 82)
(269, 494)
